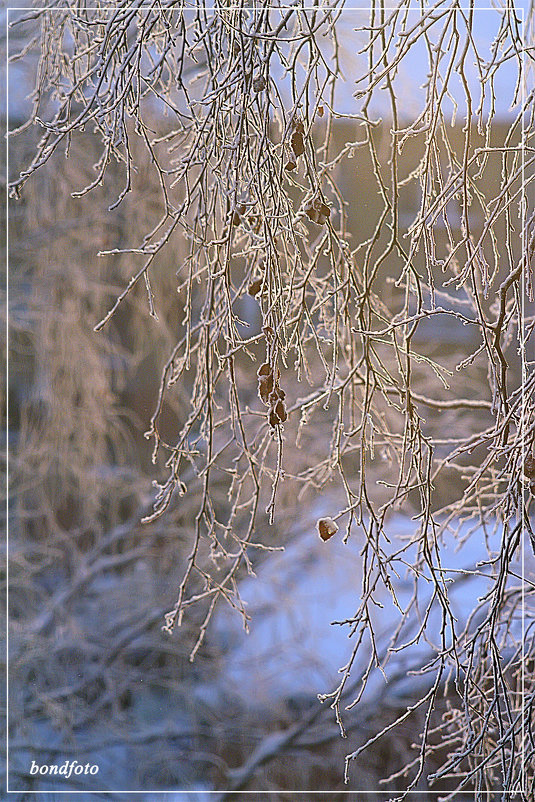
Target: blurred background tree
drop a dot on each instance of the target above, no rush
(312, 292)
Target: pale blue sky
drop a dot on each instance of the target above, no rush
(411, 73)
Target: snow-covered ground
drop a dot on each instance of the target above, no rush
(295, 649)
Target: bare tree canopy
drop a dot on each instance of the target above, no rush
(348, 315)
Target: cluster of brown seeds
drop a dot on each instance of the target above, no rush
(317, 210)
(271, 394)
(238, 212)
(529, 471)
(243, 214)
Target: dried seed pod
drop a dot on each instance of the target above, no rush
(259, 83)
(327, 528)
(274, 419)
(265, 369)
(280, 411)
(311, 213)
(321, 111)
(279, 393)
(265, 386)
(255, 287)
(297, 143)
(268, 331)
(317, 211)
(529, 466)
(290, 165)
(236, 217)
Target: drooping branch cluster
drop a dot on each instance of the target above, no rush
(333, 276)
